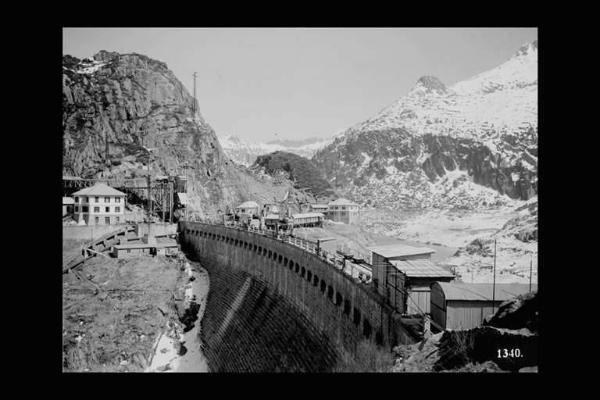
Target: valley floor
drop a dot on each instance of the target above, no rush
(451, 233)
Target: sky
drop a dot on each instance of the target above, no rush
(262, 84)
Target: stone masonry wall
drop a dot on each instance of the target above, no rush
(303, 294)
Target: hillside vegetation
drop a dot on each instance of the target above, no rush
(300, 170)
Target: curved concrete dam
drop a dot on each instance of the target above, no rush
(274, 307)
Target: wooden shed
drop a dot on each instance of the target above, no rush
(419, 275)
(465, 305)
(307, 219)
(386, 279)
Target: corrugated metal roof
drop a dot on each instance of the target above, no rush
(183, 199)
(99, 189)
(307, 215)
(421, 269)
(398, 250)
(272, 216)
(483, 291)
(325, 239)
(248, 204)
(342, 202)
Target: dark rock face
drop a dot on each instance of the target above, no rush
(299, 169)
(341, 161)
(432, 83)
(517, 313)
(479, 345)
(116, 104)
(128, 101)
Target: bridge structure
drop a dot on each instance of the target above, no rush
(348, 313)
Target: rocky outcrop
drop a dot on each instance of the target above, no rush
(508, 341)
(299, 169)
(115, 104)
(517, 313)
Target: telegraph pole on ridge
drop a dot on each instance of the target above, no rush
(195, 74)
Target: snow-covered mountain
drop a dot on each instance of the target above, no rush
(244, 153)
(483, 130)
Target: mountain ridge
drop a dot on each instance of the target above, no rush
(485, 126)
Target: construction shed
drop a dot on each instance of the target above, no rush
(308, 219)
(248, 208)
(271, 221)
(465, 305)
(387, 280)
(418, 276)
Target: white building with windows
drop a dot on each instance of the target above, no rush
(342, 210)
(99, 205)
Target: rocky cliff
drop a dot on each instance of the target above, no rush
(115, 104)
(475, 140)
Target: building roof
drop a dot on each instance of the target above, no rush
(421, 269)
(99, 189)
(342, 202)
(141, 245)
(399, 250)
(183, 199)
(68, 200)
(308, 215)
(272, 216)
(248, 204)
(325, 239)
(483, 291)
(319, 205)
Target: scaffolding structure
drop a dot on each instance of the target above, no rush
(161, 193)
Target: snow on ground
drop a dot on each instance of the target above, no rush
(89, 66)
(458, 229)
(244, 152)
(166, 358)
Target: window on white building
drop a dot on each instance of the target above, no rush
(76, 199)
(96, 209)
(117, 209)
(117, 199)
(107, 220)
(85, 209)
(97, 199)
(106, 209)
(107, 199)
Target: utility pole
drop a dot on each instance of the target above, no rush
(106, 146)
(195, 74)
(494, 286)
(530, 271)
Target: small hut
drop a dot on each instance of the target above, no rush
(465, 305)
(247, 208)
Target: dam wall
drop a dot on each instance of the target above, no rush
(272, 298)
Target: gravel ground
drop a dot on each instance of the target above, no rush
(114, 309)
